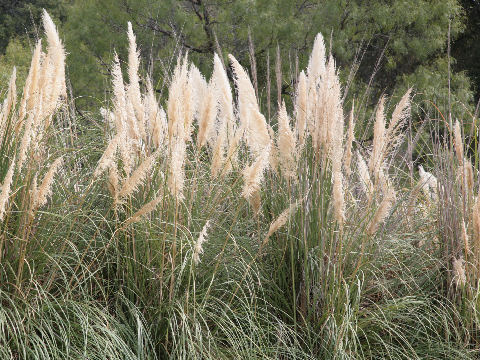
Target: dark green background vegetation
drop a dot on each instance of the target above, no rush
(396, 44)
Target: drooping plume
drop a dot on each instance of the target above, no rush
(394, 134)
(5, 193)
(253, 174)
(202, 238)
(44, 191)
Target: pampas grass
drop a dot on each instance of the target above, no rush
(286, 144)
(301, 108)
(253, 174)
(127, 242)
(45, 188)
(202, 238)
(6, 185)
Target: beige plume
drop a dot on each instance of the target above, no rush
(7, 183)
(45, 189)
(253, 174)
(286, 144)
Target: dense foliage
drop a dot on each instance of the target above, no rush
(183, 214)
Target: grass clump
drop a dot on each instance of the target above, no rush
(200, 230)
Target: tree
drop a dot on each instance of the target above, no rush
(465, 49)
(400, 42)
(21, 17)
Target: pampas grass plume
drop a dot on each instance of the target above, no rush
(202, 238)
(301, 108)
(7, 183)
(286, 144)
(145, 210)
(376, 157)
(132, 183)
(381, 213)
(253, 174)
(45, 188)
(280, 221)
(457, 133)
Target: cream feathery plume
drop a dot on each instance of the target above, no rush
(121, 115)
(119, 96)
(459, 272)
(246, 92)
(113, 182)
(45, 83)
(30, 90)
(273, 160)
(45, 189)
(224, 97)
(57, 57)
(301, 108)
(207, 116)
(365, 181)
(428, 183)
(457, 132)
(190, 104)
(9, 102)
(133, 90)
(385, 183)
(137, 178)
(334, 144)
(286, 144)
(316, 98)
(145, 210)
(253, 174)
(332, 111)
(400, 115)
(381, 213)
(252, 121)
(257, 133)
(107, 158)
(176, 178)
(202, 238)
(198, 86)
(156, 118)
(280, 221)
(160, 127)
(175, 108)
(231, 157)
(316, 63)
(376, 158)
(465, 176)
(26, 139)
(7, 183)
(218, 157)
(348, 147)
(133, 129)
